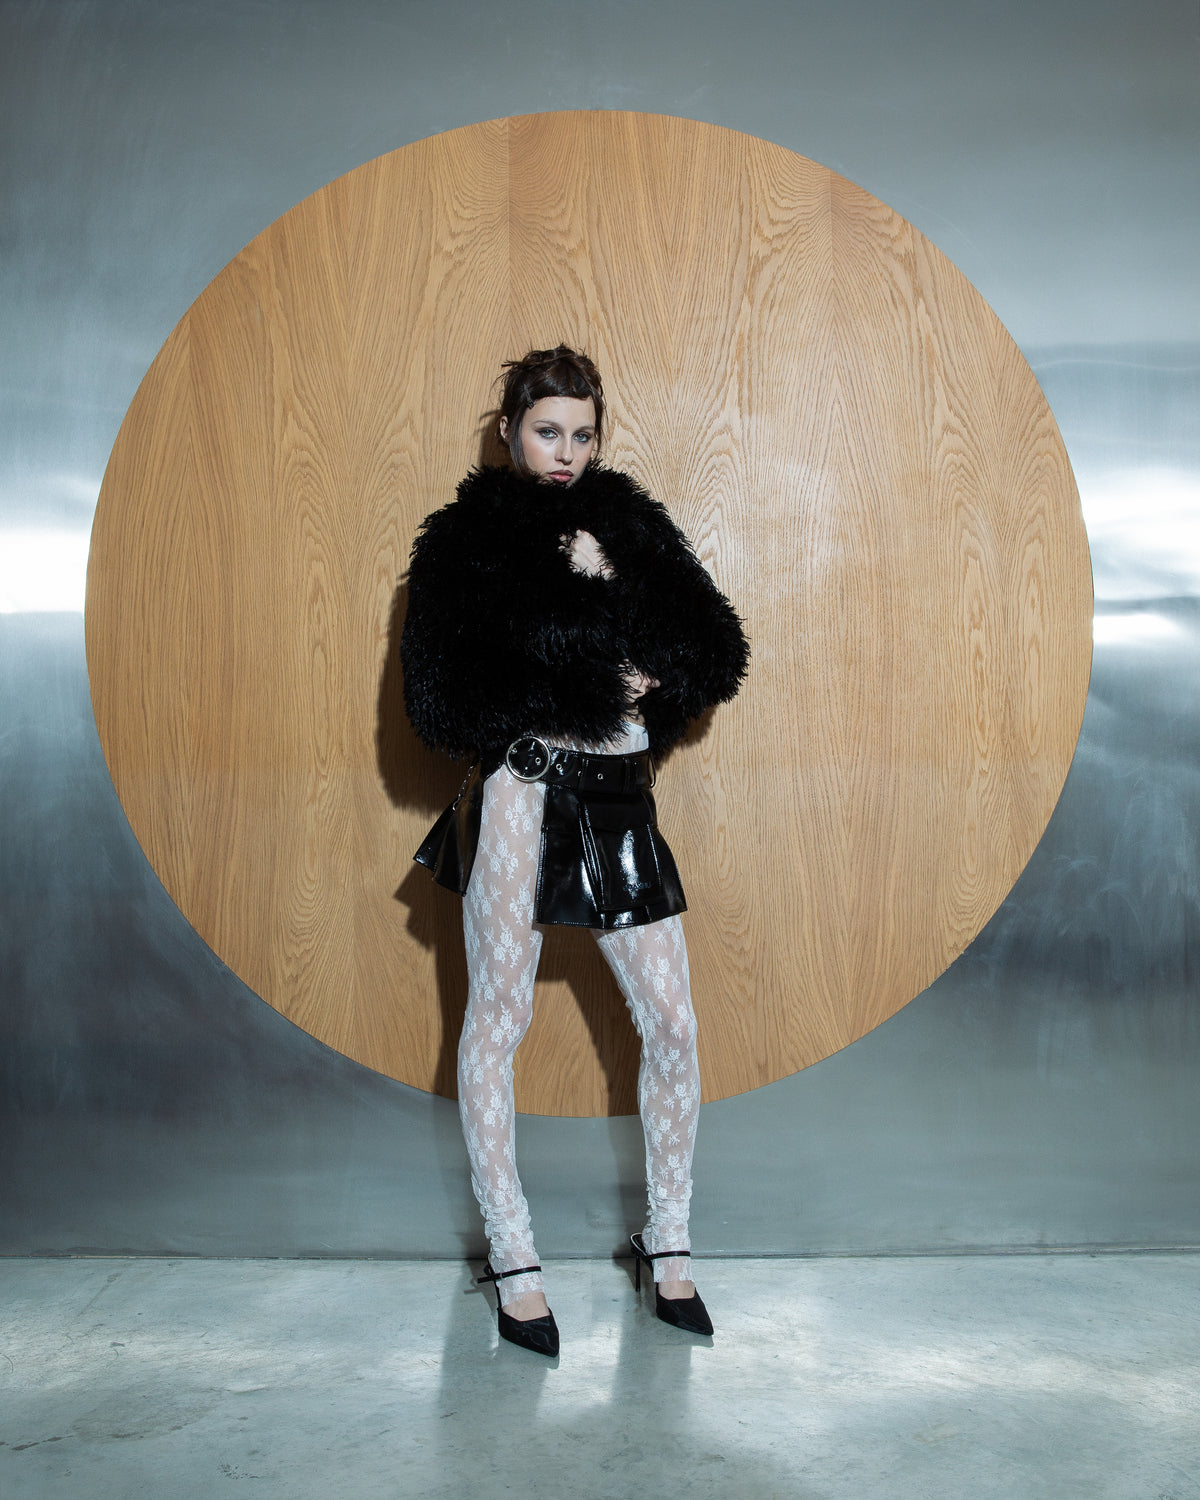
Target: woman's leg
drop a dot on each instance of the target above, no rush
(502, 958)
(650, 964)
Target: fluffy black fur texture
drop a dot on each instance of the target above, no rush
(503, 637)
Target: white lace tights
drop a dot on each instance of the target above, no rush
(503, 945)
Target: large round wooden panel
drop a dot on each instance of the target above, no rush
(831, 412)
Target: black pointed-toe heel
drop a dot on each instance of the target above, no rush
(688, 1313)
(538, 1334)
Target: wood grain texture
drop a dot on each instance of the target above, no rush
(832, 413)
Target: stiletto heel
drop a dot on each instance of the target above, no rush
(538, 1334)
(688, 1313)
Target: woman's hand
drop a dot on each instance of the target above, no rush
(637, 681)
(586, 555)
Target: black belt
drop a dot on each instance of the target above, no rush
(530, 758)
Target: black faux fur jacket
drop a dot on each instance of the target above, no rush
(503, 637)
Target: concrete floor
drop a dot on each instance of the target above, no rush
(1014, 1377)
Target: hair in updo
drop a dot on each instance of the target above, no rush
(547, 372)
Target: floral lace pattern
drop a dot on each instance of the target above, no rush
(503, 947)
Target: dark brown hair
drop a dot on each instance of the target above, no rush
(542, 373)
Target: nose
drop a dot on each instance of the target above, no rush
(562, 449)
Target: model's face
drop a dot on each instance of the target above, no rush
(558, 437)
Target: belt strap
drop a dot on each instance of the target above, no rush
(584, 771)
(531, 758)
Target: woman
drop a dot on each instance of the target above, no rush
(561, 631)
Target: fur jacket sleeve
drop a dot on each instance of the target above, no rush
(502, 637)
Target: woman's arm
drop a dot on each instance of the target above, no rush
(681, 628)
(502, 638)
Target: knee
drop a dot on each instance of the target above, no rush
(680, 1022)
(665, 1018)
(497, 1017)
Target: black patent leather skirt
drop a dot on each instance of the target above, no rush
(603, 862)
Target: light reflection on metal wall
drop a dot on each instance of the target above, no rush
(1043, 1091)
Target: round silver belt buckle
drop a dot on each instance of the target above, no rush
(528, 758)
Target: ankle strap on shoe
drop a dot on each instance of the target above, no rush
(639, 1249)
(490, 1275)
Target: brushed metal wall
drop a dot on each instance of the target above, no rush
(1043, 1091)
